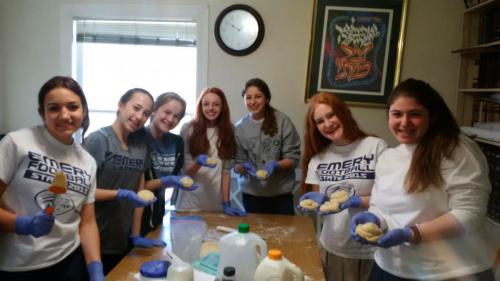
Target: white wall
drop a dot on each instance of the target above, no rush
(33, 54)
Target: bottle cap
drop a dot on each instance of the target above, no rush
(243, 228)
(229, 271)
(274, 254)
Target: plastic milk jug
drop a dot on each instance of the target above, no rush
(277, 268)
(242, 250)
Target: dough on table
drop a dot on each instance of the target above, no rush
(146, 195)
(308, 204)
(330, 206)
(209, 247)
(187, 182)
(261, 174)
(369, 231)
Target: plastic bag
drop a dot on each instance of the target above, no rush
(187, 234)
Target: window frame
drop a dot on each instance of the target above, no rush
(195, 13)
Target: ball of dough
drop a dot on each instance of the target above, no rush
(187, 182)
(308, 204)
(208, 247)
(330, 206)
(369, 231)
(262, 174)
(340, 196)
(146, 195)
(211, 161)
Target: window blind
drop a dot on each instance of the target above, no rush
(170, 33)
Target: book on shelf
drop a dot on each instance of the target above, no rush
(489, 70)
(489, 27)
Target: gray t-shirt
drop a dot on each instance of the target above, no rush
(258, 148)
(117, 168)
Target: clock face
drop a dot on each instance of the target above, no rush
(239, 30)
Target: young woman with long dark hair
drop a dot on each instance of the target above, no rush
(45, 245)
(430, 194)
(267, 141)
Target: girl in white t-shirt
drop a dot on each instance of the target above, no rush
(339, 156)
(56, 243)
(430, 194)
(209, 148)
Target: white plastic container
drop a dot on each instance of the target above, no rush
(242, 250)
(178, 269)
(277, 268)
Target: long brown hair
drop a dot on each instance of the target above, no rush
(198, 141)
(269, 125)
(314, 142)
(440, 140)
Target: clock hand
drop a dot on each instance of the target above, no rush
(235, 27)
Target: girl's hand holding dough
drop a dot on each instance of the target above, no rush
(369, 231)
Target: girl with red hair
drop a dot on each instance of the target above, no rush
(339, 156)
(208, 150)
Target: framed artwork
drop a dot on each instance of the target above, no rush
(356, 49)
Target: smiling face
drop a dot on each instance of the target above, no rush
(329, 125)
(408, 120)
(255, 102)
(167, 116)
(135, 112)
(211, 106)
(62, 114)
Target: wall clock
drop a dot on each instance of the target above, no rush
(239, 30)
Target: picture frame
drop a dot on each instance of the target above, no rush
(356, 49)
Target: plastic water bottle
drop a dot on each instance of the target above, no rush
(277, 268)
(238, 249)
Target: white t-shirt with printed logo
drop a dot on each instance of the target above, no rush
(350, 167)
(29, 158)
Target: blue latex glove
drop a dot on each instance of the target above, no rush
(228, 210)
(144, 242)
(38, 225)
(353, 202)
(175, 181)
(270, 167)
(395, 237)
(362, 218)
(317, 197)
(95, 270)
(202, 160)
(249, 168)
(124, 194)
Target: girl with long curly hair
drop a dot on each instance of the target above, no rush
(430, 194)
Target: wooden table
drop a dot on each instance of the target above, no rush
(293, 235)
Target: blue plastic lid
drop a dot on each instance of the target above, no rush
(155, 269)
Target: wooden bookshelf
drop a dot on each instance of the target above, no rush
(479, 78)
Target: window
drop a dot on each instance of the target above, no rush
(113, 56)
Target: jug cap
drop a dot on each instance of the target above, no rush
(274, 254)
(229, 271)
(243, 228)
